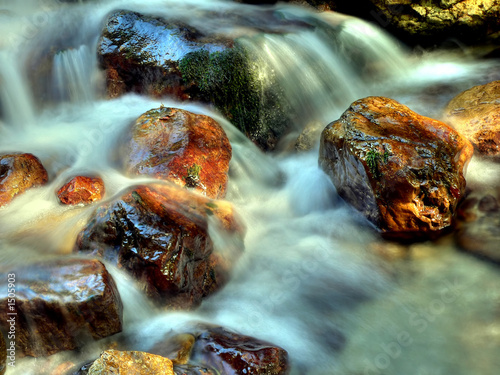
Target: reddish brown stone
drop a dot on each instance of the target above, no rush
(59, 304)
(233, 354)
(132, 363)
(159, 234)
(475, 113)
(403, 171)
(189, 149)
(81, 190)
(18, 173)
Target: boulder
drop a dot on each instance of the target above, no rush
(403, 171)
(478, 227)
(18, 173)
(160, 235)
(475, 113)
(59, 304)
(132, 362)
(189, 149)
(231, 353)
(81, 190)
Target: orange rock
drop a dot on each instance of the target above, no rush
(133, 363)
(18, 173)
(189, 149)
(475, 113)
(81, 190)
(403, 171)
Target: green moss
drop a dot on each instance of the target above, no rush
(373, 158)
(192, 176)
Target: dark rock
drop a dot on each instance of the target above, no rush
(59, 305)
(475, 113)
(233, 354)
(192, 370)
(3, 354)
(159, 234)
(189, 149)
(132, 362)
(81, 190)
(18, 173)
(403, 171)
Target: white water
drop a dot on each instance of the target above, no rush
(310, 279)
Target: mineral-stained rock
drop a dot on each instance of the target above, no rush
(189, 149)
(160, 235)
(59, 304)
(403, 171)
(18, 173)
(233, 354)
(81, 190)
(130, 363)
(475, 113)
(478, 228)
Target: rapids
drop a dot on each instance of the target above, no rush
(310, 279)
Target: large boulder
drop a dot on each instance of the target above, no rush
(475, 113)
(131, 362)
(18, 173)
(81, 190)
(160, 235)
(58, 305)
(403, 171)
(189, 149)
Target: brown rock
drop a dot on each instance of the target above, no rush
(478, 227)
(403, 171)
(131, 363)
(59, 304)
(475, 113)
(81, 190)
(189, 149)
(233, 354)
(177, 348)
(3, 355)
(18, 173)
(159, 234)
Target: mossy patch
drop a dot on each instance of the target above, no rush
(373, 158)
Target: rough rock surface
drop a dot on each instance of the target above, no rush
(478, 228)
(475, 113)
(130, 363)
(403, 171)
(60, 304)
(81, 190)
(189, 149)
(159, 234)
(3, 354)
(18, 173)
(233, 354)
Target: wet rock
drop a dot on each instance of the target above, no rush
(3, 354)
(81, 190)
(309, 136)
(403, 171)
(160, 235)
(141, 53)
(133, 362)
(192, 370)
(60, 304)
(232, 354)
(475, 113)
(478, 227)
(18, 173)
(189, 149)
(177, 348)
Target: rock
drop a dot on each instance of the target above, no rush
(309, 136)
(403, 171)
(133, 362)
(475, 113)
(192, 370)
(81, 190)
(189, 149)
(141, 53)
(59, 304)
(3, 354)
(177, 348)
(478, 227)
(160, 235)
(232, 354)
(18, 173)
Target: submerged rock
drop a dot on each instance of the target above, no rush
(403, 171)
(81, 190)
(160, 235)
(232, 354)
(140, 363)
(18, 173)
(59, 304)
(475, 113)
(189, 149)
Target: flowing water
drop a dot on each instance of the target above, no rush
(311, 279)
